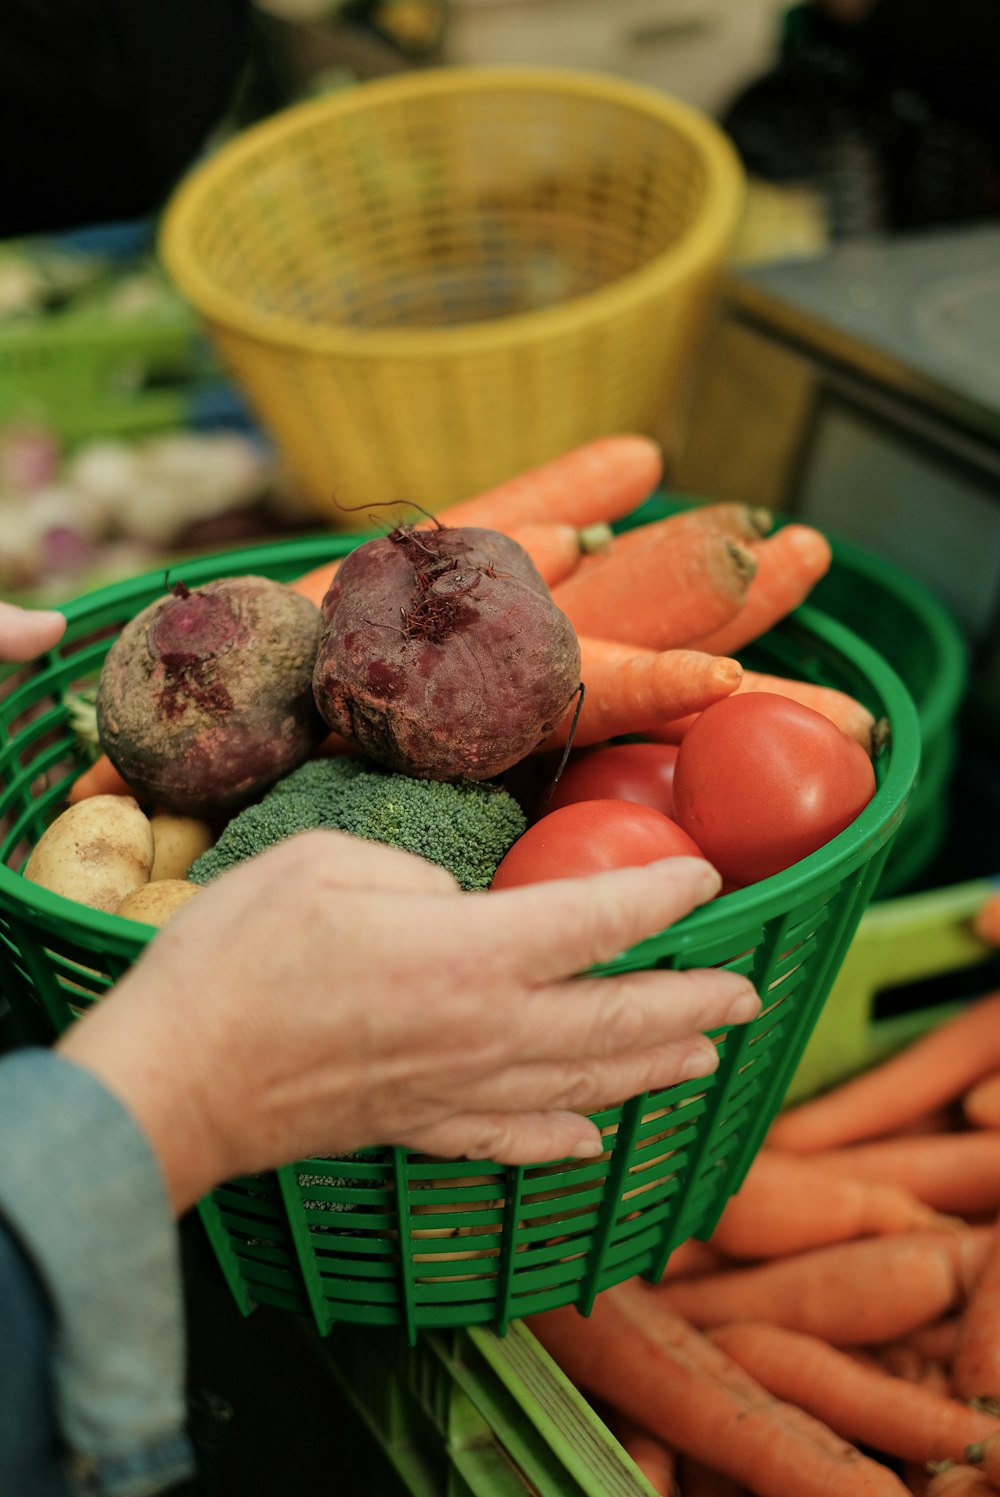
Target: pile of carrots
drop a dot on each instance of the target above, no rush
(661, 611)
(839, 1332)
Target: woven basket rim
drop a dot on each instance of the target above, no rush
(702, 244)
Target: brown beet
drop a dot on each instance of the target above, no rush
(206, 696)
(442, 653)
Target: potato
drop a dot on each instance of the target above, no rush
(95, 852)
(177, 841)
(154, 903)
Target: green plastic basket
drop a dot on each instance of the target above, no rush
(920, 639)
(392, 1238)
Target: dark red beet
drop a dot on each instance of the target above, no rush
(206, 696)
(442, 653)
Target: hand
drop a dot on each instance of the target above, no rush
(333, 994)
(27, 632)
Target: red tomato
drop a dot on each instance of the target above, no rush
(642, 772)
(761, 781)
(589, 837)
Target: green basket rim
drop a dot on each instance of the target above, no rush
(759, 901)
(942, 699)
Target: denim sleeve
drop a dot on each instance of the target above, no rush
(85, 1205)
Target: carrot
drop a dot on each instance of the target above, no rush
(556, 550)
(789, 564)
(787, 1205)
(99, 778)
(745, 523)
(987, 922)
(600, 480)
(850, 1293)
(692, 1257)
(867, 1406)
(652, 1455)
(315, 584)
(700, 1480)
(960, 1481)
(851, 716)
(975, 1367)
(627, 687)
(640, 1357)
(958, 1173)
(659, 594)
(986, 1455)
(935, 1342)
(981, 1103)
(936, 1068)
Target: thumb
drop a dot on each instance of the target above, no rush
(26, 632)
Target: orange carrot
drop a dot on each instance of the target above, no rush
(652, 1455)
(960, 1481)
(935, 1342)
(855, 1293)
(958, 1173)
(787, 1205)
(660, 593)
(863, 1404)
(987, 922)
(986, 1455)
(981, 1103)
(789, 564)
(638, 1356)
(975, 1366)
(692, 1257)
(627, 687)
(99, 778)
(745, 523)
(315, 583)
(936, 1068)
(601, 480)
(850, 715)
(700, 1480)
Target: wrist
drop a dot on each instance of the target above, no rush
(148, 1074)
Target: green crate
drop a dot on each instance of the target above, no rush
(898, 941)
(923, 643)
(79, 376)
(468, 1413)
(393, 1239)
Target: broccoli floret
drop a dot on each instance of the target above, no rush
(252, 830)
(466, 828)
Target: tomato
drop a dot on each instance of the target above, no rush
(762, 781)
(589, 837)
(642, 772)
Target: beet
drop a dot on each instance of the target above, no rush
(442, 654)
(205, 697)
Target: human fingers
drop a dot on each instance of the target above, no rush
(604, 1016)
(588, 1086)
(348, 862)
(551, 930)
(509, 1138)
(26, 632)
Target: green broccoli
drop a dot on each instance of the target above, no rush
(466, 828)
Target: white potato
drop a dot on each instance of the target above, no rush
(177, 842)
(95, 852)
(154, 903)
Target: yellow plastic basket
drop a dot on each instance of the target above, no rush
(428, 283)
